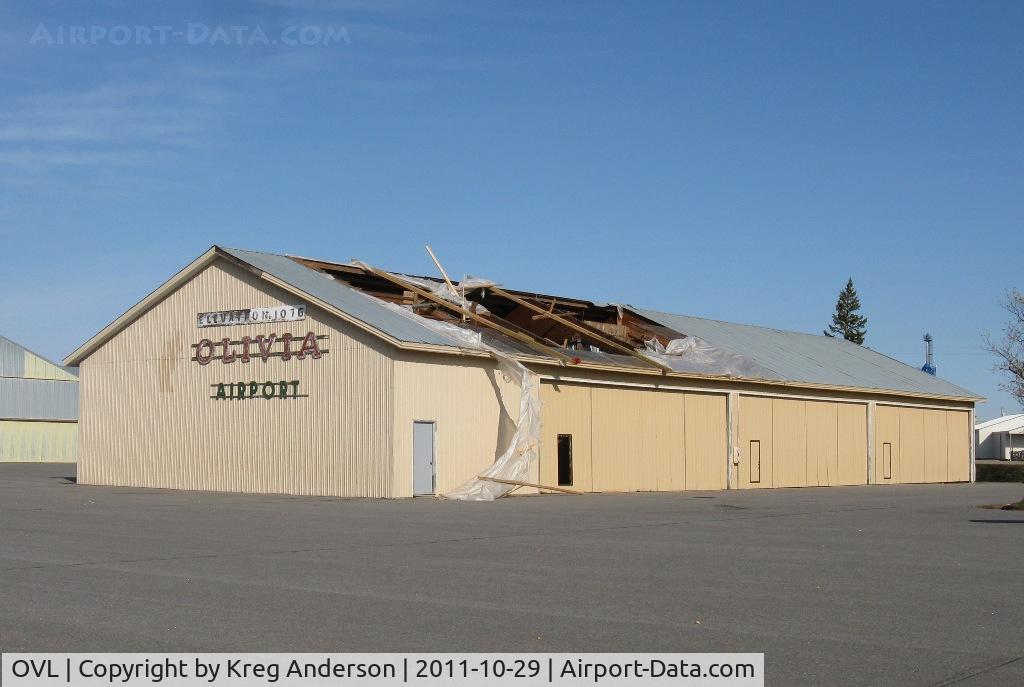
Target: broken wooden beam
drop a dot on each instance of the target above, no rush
(423, 293)
(595, 335)
(545, 487)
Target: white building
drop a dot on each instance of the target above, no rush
(997, 439)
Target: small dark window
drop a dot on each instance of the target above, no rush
(755, 461)
(886, 461)
(565, 460)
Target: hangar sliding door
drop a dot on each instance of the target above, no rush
(565, 417)
(798, 443)
(958, 445)
(632, 439)
(921, 445)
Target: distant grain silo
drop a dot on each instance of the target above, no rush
(38, 407)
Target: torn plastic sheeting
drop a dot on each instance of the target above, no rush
(457, 297)
(514, 463)
(692, 354)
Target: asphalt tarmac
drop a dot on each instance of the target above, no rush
(886, 585)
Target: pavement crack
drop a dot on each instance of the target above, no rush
(960, 677)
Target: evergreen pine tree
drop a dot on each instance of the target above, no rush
(845, 321)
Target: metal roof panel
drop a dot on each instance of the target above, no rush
(809, 358)
(336, 293)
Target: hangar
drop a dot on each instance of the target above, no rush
(258, 372)
(38, 407)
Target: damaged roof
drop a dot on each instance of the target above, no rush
(402, 309)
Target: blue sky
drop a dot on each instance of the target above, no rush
(729, 160)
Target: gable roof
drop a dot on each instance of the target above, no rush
(18, 361)
(366, 309)
(1010, 419)
(788, 357)
(280, 270)
(814, 359)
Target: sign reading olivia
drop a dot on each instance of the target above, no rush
(262, 347)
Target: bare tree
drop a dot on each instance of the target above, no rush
(1010, 349)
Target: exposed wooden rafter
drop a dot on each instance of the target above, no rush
(479, 319)
(583, 329)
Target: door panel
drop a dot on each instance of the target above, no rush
(565, 409)
(789, 443)
(822, 443)
(755, 424)
(423, 459)
(935, 440)
(707, 443)
(852, 443)
(959, 433)
(911, 446)
(887, 431)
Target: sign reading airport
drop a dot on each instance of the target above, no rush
(262, 347)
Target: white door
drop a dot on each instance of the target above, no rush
(423, 473)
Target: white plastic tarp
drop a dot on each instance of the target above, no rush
(523, 449)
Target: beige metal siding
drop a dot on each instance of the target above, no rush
(627, 439)
(801, 442)
(755, 424)
(958, 446)
(789, 443)
(823, 443)
(887, 431)
(38, 442)
(911, 445)
(707, 442)
(852, 443)
(617, 461)
(565, 409)
(935, 448)
(148, 419)
(475, 409)
(928, 444)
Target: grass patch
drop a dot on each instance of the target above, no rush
(1005, 506)
(999, 471)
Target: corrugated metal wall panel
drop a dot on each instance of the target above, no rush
(148, 419)
(928, 445)
(662, 441)
(636, 439)
(38, 399)
(475, 410)
(706, 441)
(935, 449)
(887, 431)
(789, 443)
(958, 446)
(12, 359)
(47, 442)
(852, 443)
(754, 421)
(39, 368)
(565, 409)
(911, 446)
(18, 361)
(803, 442)
(823, 442)
(616, 439)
